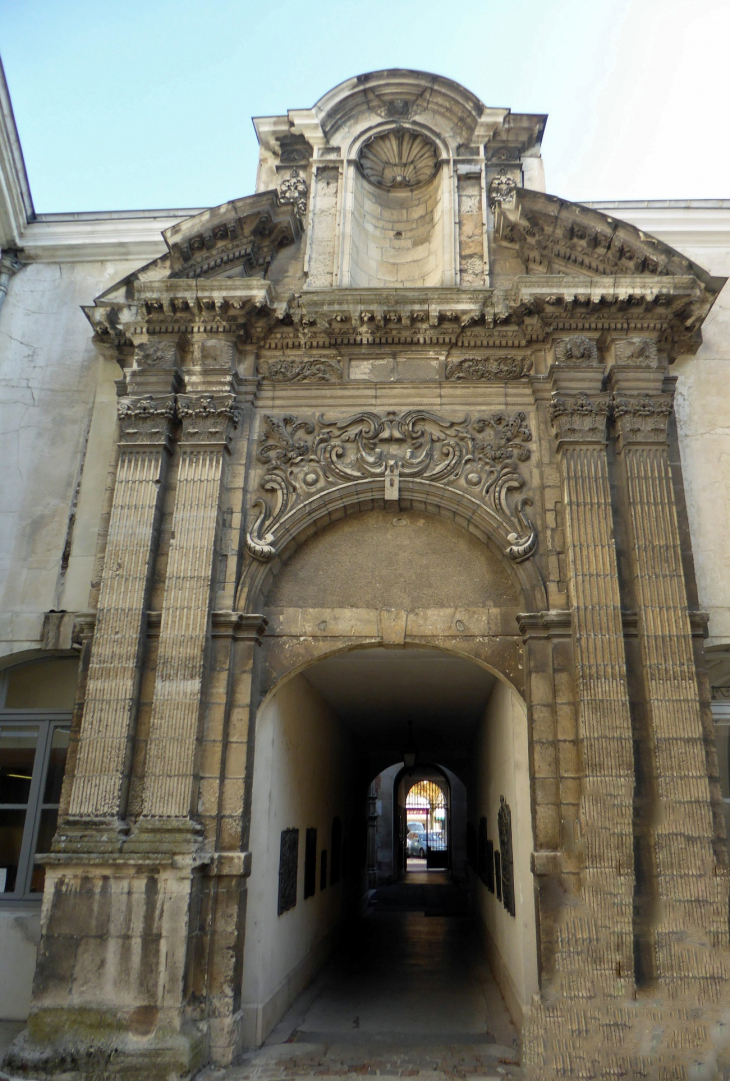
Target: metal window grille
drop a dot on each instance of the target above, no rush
(288, 861)
(310, 863)
(504, 818)
(336, 850)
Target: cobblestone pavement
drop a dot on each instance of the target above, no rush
(434, 1063)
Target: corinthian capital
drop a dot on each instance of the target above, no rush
(208, 418)
(642, 418)
(146, 419)
(578, 418)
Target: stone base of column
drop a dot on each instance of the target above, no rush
(116, 988)
(100, 1043)
(165, 835)
(92, 836)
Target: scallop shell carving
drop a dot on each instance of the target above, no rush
(399, 159)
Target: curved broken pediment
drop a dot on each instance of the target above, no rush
(554, 236)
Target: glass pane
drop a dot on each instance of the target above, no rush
(56, 765)
(46, 830)
(17, 755)
(12, 824)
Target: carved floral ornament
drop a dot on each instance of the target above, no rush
(501, 190)
(478, 456)
(578, 351)
(300, 370)
(637, 353)
(493, 369)
(294, 190)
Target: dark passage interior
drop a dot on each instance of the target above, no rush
(351, 755)
(409, 988)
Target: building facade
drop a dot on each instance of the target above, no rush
(398, 436)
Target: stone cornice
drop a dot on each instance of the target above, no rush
(16, 204)
(670, 308)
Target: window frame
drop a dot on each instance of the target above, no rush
(46, 721)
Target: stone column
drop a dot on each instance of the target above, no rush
(578, 1026)
(692, 917)
(604, 720)
(207, 422)
(102, 764)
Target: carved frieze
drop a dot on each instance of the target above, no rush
(300, 370)
(146, 419)
(642, 418)
(578, 350)
(480, 456)
(207, 419)
(490, 369)
(294, 189)
(579, 418)
(637, 353)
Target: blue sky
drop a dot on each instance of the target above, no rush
(147, 103)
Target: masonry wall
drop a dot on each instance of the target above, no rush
(303, 778)
(55, 459)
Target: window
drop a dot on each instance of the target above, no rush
(32, 762)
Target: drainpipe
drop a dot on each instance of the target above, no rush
(9, 265)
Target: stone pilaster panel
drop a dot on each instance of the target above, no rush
(170, 766)
(111, 690)
(693, 896)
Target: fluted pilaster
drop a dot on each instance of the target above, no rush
(693, 896)
(207, 423)
(111, 692)
(606, 813)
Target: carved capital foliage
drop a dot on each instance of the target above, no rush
(578, 351)
(146, 419)
(579, 418)
(207, 418)
(642, 418)
(479, 456)
(490, 369)
(637, 353)
(300, 370)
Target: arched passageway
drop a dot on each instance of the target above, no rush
(339, 746)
